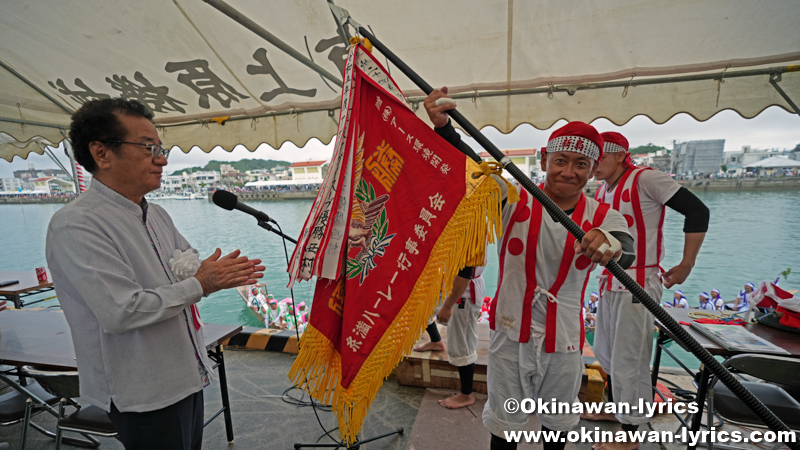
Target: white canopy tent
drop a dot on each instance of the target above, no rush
(775, 162)
(211, 81)
(267, 183)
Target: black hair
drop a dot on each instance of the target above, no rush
(97, 120)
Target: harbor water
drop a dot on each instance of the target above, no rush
(753, 237)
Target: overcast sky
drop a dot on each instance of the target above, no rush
(773, 128)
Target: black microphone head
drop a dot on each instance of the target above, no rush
(225, 200)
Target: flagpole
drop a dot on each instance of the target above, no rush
(763, 413)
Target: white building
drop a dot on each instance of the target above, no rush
(310, 171)
(11, 184)
(258, 175)
(172, 183)
(747, 156)
(281, 172)
(53, 185)
(776, 165)
(203, 180)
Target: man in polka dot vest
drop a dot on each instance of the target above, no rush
(623, 340)
(536, 313)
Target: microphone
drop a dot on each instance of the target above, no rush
(229, 201)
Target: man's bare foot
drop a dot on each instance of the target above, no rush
(616, 446)
(457, 401)
(430, 347)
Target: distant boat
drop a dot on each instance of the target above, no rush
(189, 195)
(185, 195)
(244, 292)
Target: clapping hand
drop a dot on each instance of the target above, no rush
(217, 273)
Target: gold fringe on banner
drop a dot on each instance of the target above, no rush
(476, 222)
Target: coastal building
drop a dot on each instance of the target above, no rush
(13, 185)
(659, 160)
(697, 157)
(172, 183)
(309, 171)
(203, 180)
(53, 185)
(31, 173)
(775, 166)
(257, 175)
(524, 158)
(281, 172)
(735, 170)
(229, 176)
(748, 156)
(233, 178)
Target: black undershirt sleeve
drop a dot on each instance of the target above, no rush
(466, 272)
(628, 252)
(449, 133)
(696, 213)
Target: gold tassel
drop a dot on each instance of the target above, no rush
(494, 168)
(363, 41)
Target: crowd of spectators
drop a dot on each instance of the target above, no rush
(283, 188)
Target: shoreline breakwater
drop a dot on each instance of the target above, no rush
(731, 185)
(700, 185)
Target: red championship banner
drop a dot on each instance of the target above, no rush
(399, 213)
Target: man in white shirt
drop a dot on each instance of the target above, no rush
(624, 327)
(704, 301)
(129, 283)
(716, 299)
(678, 301)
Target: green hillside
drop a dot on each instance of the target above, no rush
(241, 166)
(649, 148)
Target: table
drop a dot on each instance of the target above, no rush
(788, 341)
(28, 285)
(43, 339)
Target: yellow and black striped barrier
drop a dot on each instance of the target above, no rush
(268, 339)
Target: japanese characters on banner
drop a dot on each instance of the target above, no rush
(209, 87)
(399, 214)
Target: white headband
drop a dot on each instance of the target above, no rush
(611, 147)
(576, 144)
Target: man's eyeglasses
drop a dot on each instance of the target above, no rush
(155, 149)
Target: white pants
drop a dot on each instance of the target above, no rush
(623, 344)
(462, 334)
(520, 371)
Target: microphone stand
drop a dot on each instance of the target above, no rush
(356, 445)
(265, 225)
